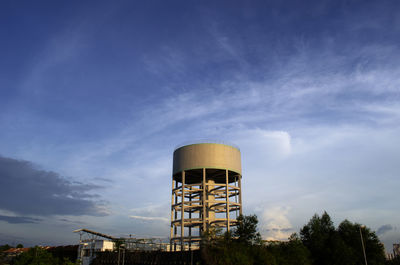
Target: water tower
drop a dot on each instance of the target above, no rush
(206, 191)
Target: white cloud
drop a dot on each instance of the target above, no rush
(259, 144)
(147, 218)
(275, 224)
(151, 210)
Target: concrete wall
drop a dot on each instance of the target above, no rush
(207, 155)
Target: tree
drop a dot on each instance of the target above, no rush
(244, 246)
(292, 252)
(328, 245)
(212, 236)
(39, 256)
(317, 236)
(246, 230)
(35, 256)
(241, 246)
(350, 234)
(20, 246)
(296, 252)
(4, 247)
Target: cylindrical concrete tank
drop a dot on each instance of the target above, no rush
(206, 191)
(207, 155)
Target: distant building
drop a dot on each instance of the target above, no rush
(396, 249)
(15, 251)
(396, 252)
(91, 243)
(87, 250)
(11, 253)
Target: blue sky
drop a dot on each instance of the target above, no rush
(95, 95)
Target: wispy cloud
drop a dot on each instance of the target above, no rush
(19, 219)
(295, 97)
(152, 210)
(148, 218)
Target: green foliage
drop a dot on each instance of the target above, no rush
(4, 247)
(234, 252)
(19, 246)
(237, 253)
(317, 236)
(328, 245)
(118, 243)
(246, 230)
(350, 234)
(39, 256)
(212, 235)
(292, 252)
(244, 246)
(319, 243)
(35, 256)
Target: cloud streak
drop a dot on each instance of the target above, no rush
(148, 218)
(19, 219)
(26, 190)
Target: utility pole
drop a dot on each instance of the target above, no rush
(362, 243)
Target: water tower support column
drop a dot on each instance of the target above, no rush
(227, 200)
(183, 211)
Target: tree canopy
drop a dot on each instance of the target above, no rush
(246, 230)
(342, 245)
(39, 256)
(244, 246)
(319, 243)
